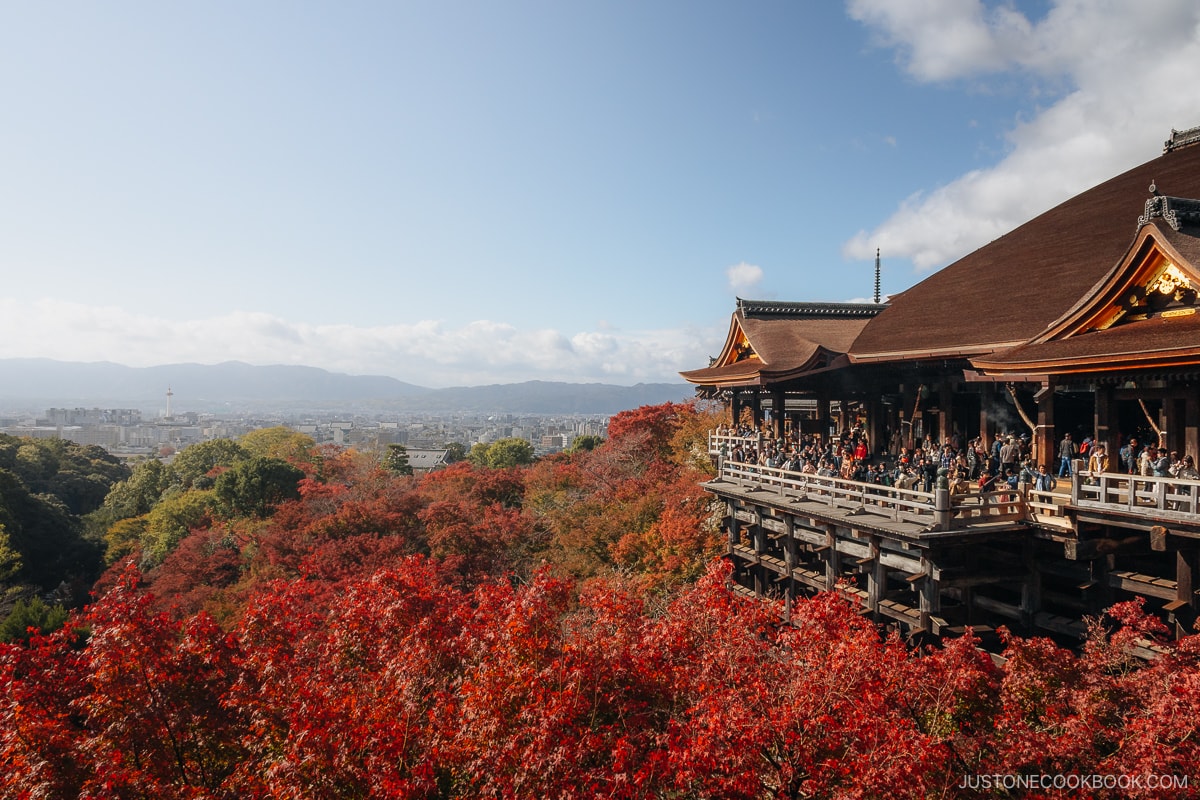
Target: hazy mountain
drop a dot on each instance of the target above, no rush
(37, 383)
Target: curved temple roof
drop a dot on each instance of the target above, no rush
(1107, 280)
(769, 341)
(1009, 291)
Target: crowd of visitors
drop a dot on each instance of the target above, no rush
(1003, 462)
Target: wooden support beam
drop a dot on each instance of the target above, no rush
(984, 579)
(997, 607)
(1158, 539)
(1091, 548)
(1143, 584)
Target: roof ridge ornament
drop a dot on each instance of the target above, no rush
(807, 309)
(1181, 139)
(1173, 210)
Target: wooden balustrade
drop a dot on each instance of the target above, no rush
(1138, 494)
(1146, 496)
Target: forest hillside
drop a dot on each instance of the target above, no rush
(275, 619)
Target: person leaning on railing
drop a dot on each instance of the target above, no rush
(1098, 459)
(1187, 470)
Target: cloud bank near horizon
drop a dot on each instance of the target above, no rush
(1099, 109)
(425, 352)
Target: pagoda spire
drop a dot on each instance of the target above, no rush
(876, 274)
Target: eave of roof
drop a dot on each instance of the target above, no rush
(1155, 342)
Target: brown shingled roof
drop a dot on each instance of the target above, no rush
(1010, 290)
(786, 339)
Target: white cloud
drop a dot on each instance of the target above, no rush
(424, 352)
(1118, 69)
(743, 276)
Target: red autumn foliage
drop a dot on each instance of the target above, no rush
(390, 637)
(405, 684)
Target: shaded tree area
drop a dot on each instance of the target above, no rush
(47, 486)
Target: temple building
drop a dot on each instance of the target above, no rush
(1081, 321)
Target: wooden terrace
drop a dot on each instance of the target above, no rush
(937, 561)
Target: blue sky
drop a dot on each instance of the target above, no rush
(475, 192)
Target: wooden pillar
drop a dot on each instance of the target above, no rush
(1191, 425)
(735, 526)
(907, 420)
(945, 411)
(735, 406)
(833, 560)
(789, 561)
(1045, 445)
(1105, 423)
(1031, 587)
(930, 600)
(1176, 422)
(760, 545)
(823, 414)
(875, 426)
(987, 398)
(777, 412)
(876, 578)
(1186, 568)
(756, 409)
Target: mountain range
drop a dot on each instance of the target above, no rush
(35, 384)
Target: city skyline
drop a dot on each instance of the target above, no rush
(464, 194)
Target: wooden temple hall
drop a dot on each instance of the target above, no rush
(1081, 321)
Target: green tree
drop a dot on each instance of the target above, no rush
(478, 455)
(193, 464)
(172, 519)
(280, 442)
(586, 443)
(46, 534)
(138, 493)
(35, 462)
(10, 559)
(34, 614)
(396, 459)
(255, 487)
(124, 538)
(502, 453)
(455, 452)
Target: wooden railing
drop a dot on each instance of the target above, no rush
(938, 510)
(1136, 493)
(1146, 496)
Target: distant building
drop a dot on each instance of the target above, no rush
(423, 461)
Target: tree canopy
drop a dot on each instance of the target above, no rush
(557, 628)
(502, 453)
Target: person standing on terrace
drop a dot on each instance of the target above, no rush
(1129, 456)
(1067, 450)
